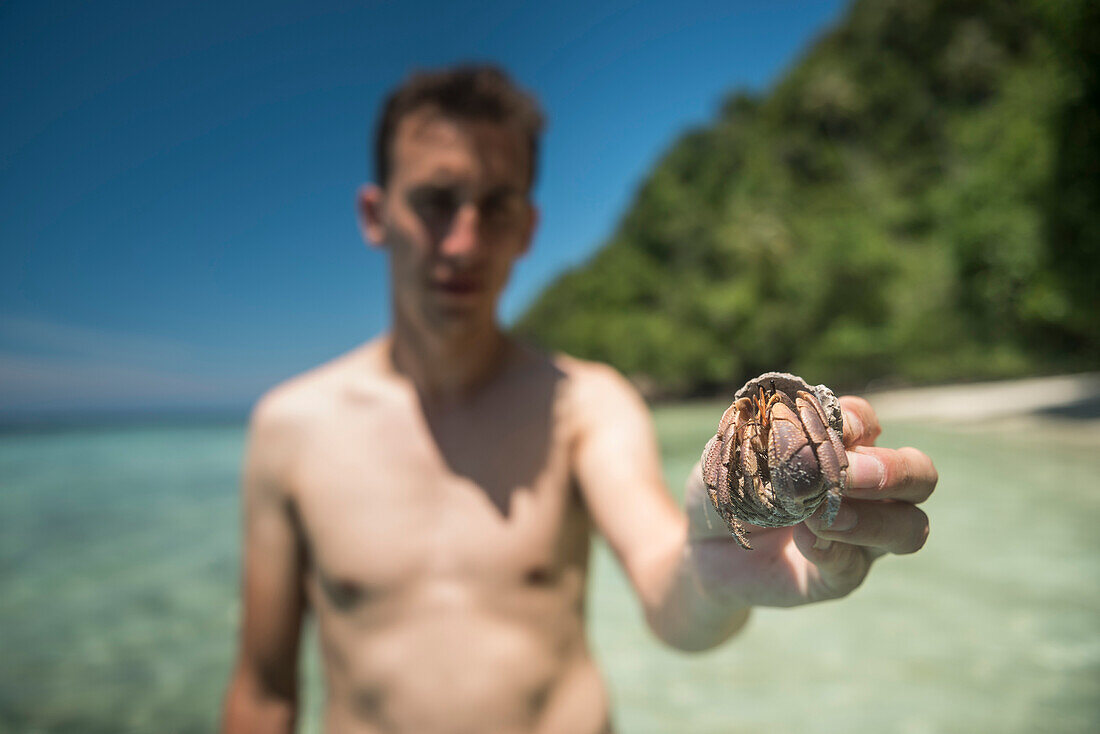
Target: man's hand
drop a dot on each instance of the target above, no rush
(693, 579)
(879, 512)
(809, 562)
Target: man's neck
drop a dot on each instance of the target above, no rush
(448, 368)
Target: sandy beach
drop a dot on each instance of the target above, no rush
(1066, 407)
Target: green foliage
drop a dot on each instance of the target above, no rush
(918, 199)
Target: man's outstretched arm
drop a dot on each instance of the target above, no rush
(263, 691)
(695, 582)
(617, 466)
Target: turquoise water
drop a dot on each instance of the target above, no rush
(118, 572)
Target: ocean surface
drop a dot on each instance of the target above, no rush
(119, 571)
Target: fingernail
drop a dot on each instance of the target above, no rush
(865, 471)
(855, 425)
(845, 520)
(822, 544)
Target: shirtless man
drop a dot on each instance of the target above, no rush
(431, 495)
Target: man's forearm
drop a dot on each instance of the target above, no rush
(680, 610)
(682, 605)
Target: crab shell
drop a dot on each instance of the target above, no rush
(776, 469)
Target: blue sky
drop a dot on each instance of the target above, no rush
(177, 178)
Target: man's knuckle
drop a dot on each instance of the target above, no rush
(876, 525)
(907, 471)
(921, 472)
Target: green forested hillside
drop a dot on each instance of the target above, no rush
(917, 199)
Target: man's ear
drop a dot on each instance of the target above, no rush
(369, 202)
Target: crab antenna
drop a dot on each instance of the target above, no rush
(762, 409)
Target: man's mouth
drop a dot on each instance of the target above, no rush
(458, 286)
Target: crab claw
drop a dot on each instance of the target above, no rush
(777, 455)
(795, 470)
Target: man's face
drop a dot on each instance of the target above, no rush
(454, 215)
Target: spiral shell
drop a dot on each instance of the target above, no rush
(777, 455)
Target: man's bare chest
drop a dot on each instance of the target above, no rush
(387, 503)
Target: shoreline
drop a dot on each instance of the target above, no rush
(1071, 401)
(1040, 412)
(1071, 397)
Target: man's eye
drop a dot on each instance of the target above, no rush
(435, 204)
(441, 202)
(493, 210)
(500, 207)
(445, 201)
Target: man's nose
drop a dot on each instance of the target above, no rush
(464, 234)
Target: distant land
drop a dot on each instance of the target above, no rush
(916, 201)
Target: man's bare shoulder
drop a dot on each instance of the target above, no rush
(301, 402)
(589, 375)
(595, 391)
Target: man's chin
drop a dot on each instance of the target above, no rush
(465, 307)
(462, 299)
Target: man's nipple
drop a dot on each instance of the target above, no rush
(344, 594)
(540, 576)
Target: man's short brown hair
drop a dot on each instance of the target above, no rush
(472, 92)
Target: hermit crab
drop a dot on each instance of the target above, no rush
(777, 455)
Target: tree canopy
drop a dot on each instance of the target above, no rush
(917, 199)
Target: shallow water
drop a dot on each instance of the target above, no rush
(118, 572)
